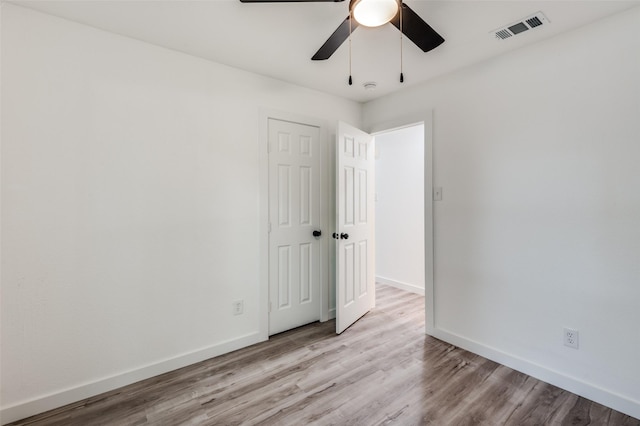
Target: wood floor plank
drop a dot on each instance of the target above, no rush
(383, 370)
(494, 401)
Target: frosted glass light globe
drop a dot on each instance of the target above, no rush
(373, 13)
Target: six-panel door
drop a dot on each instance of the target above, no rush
(355, 268)
(294, 213)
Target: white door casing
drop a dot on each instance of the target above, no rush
(355, 253)
(294, 213)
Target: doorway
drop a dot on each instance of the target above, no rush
(400, 248)
(425, 118)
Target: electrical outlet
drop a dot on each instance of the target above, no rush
(238, 307)
(571, 338)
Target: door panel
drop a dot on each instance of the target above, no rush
(284, 277)
(294, 213)
(355, 261)
(284, 194)
(306, 272)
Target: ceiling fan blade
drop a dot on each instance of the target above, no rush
(290, 1)
(335, 40)
(417, 30)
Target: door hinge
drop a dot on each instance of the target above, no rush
(269, 227)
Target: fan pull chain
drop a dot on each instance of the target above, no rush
(401, 33)
(350, 79)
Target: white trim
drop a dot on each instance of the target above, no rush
(48, 402)
(263, 209)
(402, 286)
(263, 225)
(556, 378)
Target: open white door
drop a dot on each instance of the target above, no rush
(355, 253)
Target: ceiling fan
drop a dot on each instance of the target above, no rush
(373, 13)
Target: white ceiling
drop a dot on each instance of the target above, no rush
(278, 39)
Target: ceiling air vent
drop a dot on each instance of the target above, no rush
(503, 34)
(533, 21)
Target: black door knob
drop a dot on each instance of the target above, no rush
(317, 233)
(344, 236)
(336, 236)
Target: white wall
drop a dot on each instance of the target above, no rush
(124, 241)
(400, 208)
(130, 207)
(537, 153)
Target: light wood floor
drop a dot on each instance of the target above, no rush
(383, 370)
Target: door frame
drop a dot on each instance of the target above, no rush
(421, 117)
(263, 208)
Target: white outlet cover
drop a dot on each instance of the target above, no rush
(238, 307)
(571, 337)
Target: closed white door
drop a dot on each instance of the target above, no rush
(355, 254)
(294, 215)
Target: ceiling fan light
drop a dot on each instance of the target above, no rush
(373, 13)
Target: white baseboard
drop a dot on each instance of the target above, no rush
(87, 390)
(556, 378)
(68, 396)
(402, 286)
